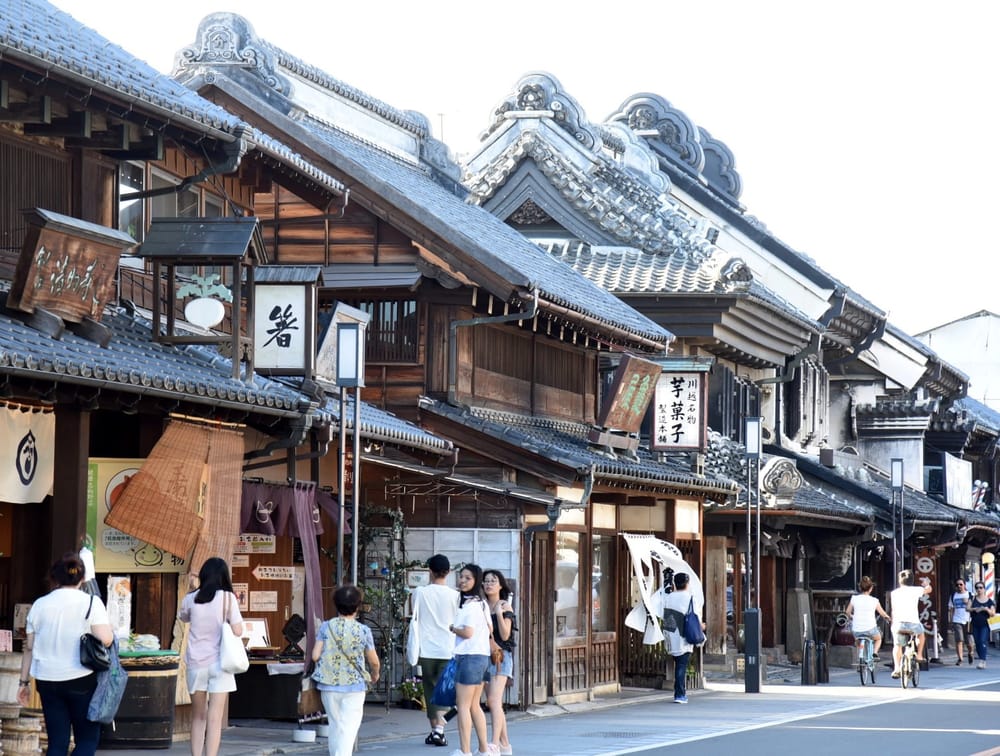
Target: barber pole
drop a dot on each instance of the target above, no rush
(988, 576)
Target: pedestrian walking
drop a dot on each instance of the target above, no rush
(675, 605)
(983, 607)
(343, 646)
(434, 609)
(498, 597)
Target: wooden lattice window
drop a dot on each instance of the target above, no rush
(393, 331)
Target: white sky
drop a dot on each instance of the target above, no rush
(863, 130)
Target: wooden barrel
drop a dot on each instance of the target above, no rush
(145, 718)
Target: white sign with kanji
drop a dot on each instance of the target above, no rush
(678, 411)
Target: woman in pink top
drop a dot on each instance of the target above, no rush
(207, 609)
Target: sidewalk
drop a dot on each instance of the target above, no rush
(256, 737)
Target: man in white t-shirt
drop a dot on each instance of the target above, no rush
(434, 609)
(905, 606)
(958, 611)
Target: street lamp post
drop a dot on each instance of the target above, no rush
(751, 615)
(896, 483)
(350, 374)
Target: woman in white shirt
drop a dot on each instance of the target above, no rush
(52, 656)
(472, 656)
(861, 611)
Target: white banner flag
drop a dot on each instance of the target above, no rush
(27, 455)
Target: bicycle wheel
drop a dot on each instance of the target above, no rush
(915, 675)
(871, 670)
(863, 671)
(904, 675)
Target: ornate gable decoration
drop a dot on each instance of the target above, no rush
(779, 480)
(720, 166)
(540, 95)
(670, 132)
(226, 39)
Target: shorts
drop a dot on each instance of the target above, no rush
(902, 639)
(870, 634)
(960, 631)
(470, 669)
(211, 679)
(506, 666)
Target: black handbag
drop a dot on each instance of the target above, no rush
(93, 653)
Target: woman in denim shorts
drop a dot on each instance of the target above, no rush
(472, 655)
(504, 624)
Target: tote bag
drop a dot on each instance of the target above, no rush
(444, 691)
(232, 654)
(413, 639)
(110, 689)
(692, 627)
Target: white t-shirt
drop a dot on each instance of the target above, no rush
(677, 602)
(863, 615)
(906, 604)
(474, 613)
(435, 607)
(57, 622)
(960, 602)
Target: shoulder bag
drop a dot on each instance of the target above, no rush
(413, 636)
(93, 653)
(232, 653)
(693, 633)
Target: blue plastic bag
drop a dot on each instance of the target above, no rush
(109, 691)
(444, 691)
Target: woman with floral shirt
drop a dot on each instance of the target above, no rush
(342, 647)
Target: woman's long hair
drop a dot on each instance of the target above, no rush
(67, 571)
(213, 576)
(504, 588)
(476, 592)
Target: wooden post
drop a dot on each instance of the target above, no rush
(69, 490)
(714, 584)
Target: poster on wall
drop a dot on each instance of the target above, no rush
(263, 601)
(241, 591)
(120, 605)
(115, 551)
(256, 543)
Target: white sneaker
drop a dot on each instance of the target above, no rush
(981, 665)
(460, 752)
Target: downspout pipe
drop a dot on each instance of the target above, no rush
(529, 314)
(233, 151)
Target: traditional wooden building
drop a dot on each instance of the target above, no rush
(485, 340)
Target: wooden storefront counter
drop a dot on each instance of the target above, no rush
(260, 694)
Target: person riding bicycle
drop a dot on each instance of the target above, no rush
(905, 605)
(861, 611)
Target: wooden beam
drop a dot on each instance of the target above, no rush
(149, 147)
(76, 124)
(114, 138)
(4, 93)
(36, 110)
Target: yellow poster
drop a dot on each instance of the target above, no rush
(115, 551)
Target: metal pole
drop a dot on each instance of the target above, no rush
(341, 502)
(748, 600)
(356, 488)
(756, 569)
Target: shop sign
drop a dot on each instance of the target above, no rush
(273, 572)
(924, 567)
(282, 329)
(256, 543)
(66, 266)
(629, 396)
(679, 411)
(115, 551)
(263, 601)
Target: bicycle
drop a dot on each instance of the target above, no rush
(909, 672)
(866, 660)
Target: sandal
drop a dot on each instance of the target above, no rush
(436, 739)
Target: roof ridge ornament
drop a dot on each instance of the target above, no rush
(540, 95)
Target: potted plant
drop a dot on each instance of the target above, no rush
(206, 309)
(411, 693)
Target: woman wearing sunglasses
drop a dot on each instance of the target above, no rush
(981, 610)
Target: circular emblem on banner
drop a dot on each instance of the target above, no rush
(925, 565)
(27, 458)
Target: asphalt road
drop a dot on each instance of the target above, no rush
(954, 712)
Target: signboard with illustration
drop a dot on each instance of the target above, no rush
(115, 551)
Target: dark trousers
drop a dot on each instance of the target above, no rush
(680, 675)
(65, 704)
(982, 638)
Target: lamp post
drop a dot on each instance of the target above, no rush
(896, 483)
(751, 615)
(350, 324)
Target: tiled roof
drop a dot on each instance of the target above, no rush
(980, 413)
(284, 154)
(379, 425)
(626, 270)
(566, 443)
(133, 364)
(36, 34)
(479, 233)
